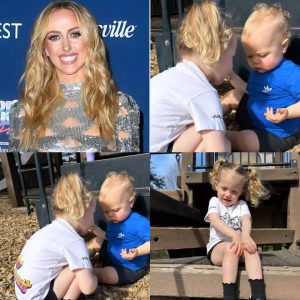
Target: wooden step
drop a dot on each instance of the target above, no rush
(282, 283)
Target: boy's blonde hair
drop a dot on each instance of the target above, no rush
(117, 179)
(263, 12)
(70, 197)
(253, 189)
(204, 32)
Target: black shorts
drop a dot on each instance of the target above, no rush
(51, 295)
(125, 275)
(211, 250)
(267, 140)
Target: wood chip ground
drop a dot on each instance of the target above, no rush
(15, 229)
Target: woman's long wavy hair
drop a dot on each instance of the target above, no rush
(42, 96)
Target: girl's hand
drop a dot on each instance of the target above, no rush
(236, 245)
(278, 117)
(94, 245)
(130, 254)
(249, 244)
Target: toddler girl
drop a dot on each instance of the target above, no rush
(230, 226)
(55, 263)
(185, 109)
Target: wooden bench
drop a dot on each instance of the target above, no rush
(195, 277)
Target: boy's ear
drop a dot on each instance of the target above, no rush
(285, 44)
(132, 200)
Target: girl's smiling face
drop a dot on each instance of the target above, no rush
(229, 187)
(65, 46)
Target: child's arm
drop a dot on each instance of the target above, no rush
(98, 232)
(130, 254)
(95, 244)
(204, 141)
(290, 112)
(231, 100)
(237, 82)
(223, 228)
(247, 240)
(87, 280)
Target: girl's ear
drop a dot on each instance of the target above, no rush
(285, 44)
(216, 183)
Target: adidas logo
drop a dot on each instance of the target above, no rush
(121, 235)
(267, 89)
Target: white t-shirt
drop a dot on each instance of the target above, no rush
(179, 97)
(44, 256)
(231, 215)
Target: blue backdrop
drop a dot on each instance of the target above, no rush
(128, 56)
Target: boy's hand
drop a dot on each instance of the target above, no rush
(280, 115)
(130, 254)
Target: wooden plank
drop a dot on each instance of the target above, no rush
(293, 207)
(270, 175)
(12, 179)
(293, 214)
(176, 195)
(187, 165)
(177, 280)
(185, 238)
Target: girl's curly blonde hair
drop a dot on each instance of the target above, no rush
(42, 96)
(70, 197)
(253, 188)
(204, 32)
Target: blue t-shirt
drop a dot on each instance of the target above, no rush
(131, 233)
(278, 88)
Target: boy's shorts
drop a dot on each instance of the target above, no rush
(51, 295)
(267, 141)
(125, 275)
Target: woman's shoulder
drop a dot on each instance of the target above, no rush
(126, 101)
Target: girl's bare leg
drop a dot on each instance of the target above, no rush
(253, 265)
(223, 256)
(66, 285)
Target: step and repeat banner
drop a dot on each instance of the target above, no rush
(124, 26)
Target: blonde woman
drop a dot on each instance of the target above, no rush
(185, 109)
(55, 263)
(70, 101)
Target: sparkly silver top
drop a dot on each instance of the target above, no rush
(70, 130)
